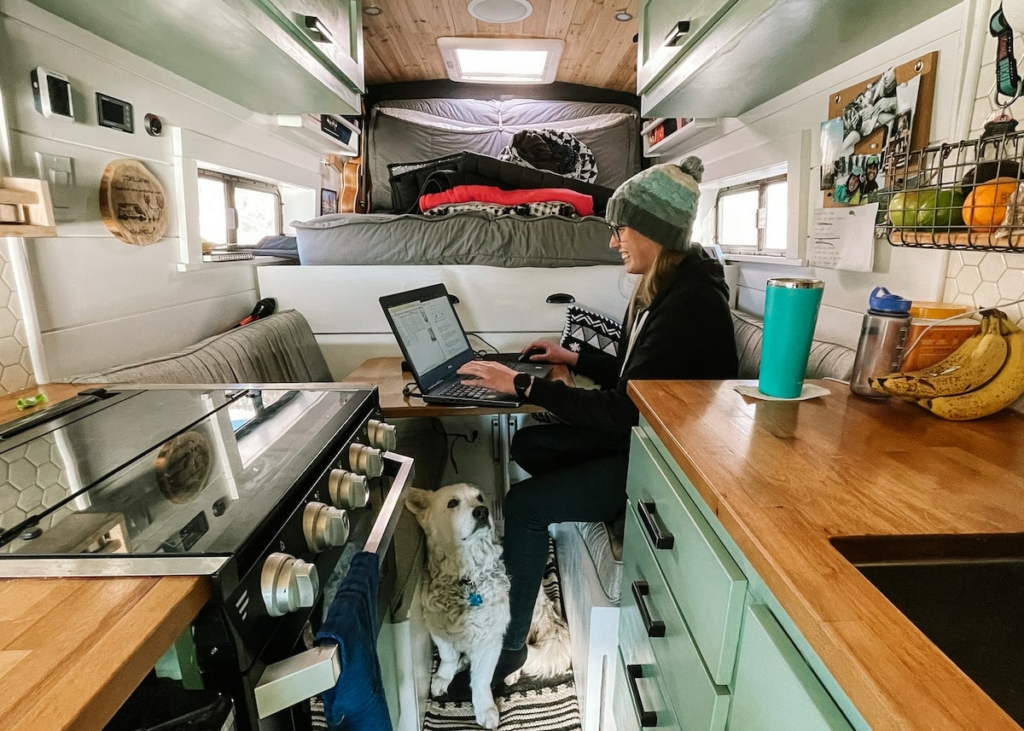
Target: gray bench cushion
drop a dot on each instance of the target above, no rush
(277, 349)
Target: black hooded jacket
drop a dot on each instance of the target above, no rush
(686, 333)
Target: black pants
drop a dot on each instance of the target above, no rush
(577, 474)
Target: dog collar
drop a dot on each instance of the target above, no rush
(474, 598)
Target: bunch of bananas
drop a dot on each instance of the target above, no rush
(982, 376)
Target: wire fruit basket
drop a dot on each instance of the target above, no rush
(966, 195)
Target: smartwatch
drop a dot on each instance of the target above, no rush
(522, 383)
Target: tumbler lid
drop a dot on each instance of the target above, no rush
(790, 283)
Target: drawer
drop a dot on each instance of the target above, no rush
(699, 704)
(639, 700)
(706, 583)
(775, 689)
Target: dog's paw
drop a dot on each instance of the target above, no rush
(439, 686)
(513, 677)
(488, 717)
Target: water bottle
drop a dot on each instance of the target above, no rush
(882, 337)
(790, 313)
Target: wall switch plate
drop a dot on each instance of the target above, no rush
(59, 173)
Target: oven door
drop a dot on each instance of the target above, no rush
(283, 686)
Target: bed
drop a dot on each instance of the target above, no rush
(411, 131)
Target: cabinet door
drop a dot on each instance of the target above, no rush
(658, 44)
(775, 690)
(339, 45)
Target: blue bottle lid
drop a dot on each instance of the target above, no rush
(884, 302)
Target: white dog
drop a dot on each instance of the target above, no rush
(465, 599)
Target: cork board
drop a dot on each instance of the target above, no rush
(921, 124)
(132, 203)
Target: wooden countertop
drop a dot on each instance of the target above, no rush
(786, 477)
(72, 650)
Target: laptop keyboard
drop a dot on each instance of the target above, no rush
(461, 390)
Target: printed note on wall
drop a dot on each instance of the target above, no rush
(844, 238)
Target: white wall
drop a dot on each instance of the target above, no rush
(99, 301)
(765, 136)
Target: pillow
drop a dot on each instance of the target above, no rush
(589, 332)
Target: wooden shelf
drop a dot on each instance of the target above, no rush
(673, 140)
(27, 202)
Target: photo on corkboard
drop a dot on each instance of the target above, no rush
(856, 178)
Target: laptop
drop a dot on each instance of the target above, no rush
(435, 346)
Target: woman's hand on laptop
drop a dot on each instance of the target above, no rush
(488, 374)
(546, 351)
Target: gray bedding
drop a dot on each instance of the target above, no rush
(467, 238)
(423, 129)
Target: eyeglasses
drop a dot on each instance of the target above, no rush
(616, 231)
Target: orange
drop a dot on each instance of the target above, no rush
(985, 207)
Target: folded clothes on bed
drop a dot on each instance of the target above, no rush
(584, 204)
(523, 210)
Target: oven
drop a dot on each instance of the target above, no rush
(269, 491)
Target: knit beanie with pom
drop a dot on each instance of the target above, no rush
(660, 202)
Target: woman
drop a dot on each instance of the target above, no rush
(677, 326)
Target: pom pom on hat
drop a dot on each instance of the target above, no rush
(660, 202)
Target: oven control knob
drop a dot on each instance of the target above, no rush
(347, 489)
(324, 527)
(287, 584)
(382, 435)
(365, 460)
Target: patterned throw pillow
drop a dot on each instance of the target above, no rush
(589, 332)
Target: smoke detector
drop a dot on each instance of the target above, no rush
(500, 11)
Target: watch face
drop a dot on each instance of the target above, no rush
(522, 382)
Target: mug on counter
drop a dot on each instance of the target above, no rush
(790, 314)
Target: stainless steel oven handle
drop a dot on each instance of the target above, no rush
(399, 467)
(302, 676)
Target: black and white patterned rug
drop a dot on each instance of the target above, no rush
(525, 706)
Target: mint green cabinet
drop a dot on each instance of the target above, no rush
(701, 639)
(251, 52)
(708, 586)
(774, 689)
(659, 42)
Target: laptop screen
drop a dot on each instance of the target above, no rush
(429, 333)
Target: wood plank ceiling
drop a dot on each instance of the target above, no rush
(400, 44)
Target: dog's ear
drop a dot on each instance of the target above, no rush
(417, 500)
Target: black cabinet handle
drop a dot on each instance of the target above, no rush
(654, 627)
(453, 299)
(676, 32)
(560, 298)
(662, 541)
(647, 718)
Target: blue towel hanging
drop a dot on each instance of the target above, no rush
(357, 702)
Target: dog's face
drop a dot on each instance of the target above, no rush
(451, 515)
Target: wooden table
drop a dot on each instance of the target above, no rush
(787, 478)
(72, 650)
(387, 374)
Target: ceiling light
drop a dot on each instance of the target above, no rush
(500, 11)
(372, 10)
(623, 17)
(501, 60)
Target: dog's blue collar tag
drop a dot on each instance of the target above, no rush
(474, 598)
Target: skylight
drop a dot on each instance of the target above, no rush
(501, 60)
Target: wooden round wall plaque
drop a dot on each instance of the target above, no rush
(132, 203)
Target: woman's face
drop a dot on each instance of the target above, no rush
(853, 183)
(638, 252)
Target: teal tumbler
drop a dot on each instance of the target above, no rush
(790, 314)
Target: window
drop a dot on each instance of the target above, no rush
(237, 211)
(501, 60)
(751, 218)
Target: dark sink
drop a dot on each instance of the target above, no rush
(965, 593)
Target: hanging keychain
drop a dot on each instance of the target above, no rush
(1008, 82)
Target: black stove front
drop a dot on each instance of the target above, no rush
(269, 491)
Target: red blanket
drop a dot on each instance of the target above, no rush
(584, 204)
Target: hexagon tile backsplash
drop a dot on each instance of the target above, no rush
(979, 278)
(15, 362)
